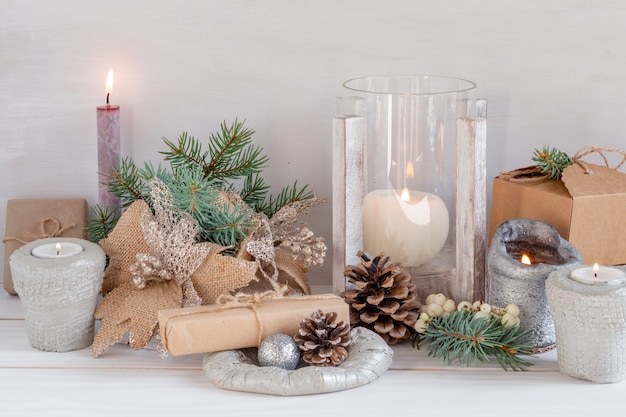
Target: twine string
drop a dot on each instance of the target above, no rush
(588, 150)
(42, 226)
(242, 300)
(535, 174)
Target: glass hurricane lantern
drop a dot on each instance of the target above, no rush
(409, 181)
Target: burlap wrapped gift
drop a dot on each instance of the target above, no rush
(32, 219)
(239, 325)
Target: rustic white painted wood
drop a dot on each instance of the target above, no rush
(471, 202)
(127, 382)
(348, 194)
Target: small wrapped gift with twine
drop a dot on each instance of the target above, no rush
(254, 316)
(32, 219)
(586, 206)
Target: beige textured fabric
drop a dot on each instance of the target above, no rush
(129, 309)
(220, 274)
(122, 245)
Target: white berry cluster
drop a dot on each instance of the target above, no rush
(438, 305)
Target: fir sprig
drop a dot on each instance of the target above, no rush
(226, 225)
(195, 179)
(126, 183)
(287, 195)
(463, 338)
(102, 222)
(552, 161)
(231, 154)
(253, 191)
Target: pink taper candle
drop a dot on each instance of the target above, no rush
(108, 145)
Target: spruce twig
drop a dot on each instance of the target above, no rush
(197, 176)
(126, 183)
(287, 195)
(552, 161)
(102, 224)
(463, 338)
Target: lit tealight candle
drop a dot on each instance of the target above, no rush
(56, 250)
(598, 275)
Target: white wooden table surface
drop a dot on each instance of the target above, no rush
(126, 382)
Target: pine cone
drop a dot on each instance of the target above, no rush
(384, 300)
(322, 341)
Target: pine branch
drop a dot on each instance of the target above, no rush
(254, 190)
(191, 192)
(232, 154)
(187, 153)
(463, 338)
(126, 183)
(552, 161)
(196, 176)
(102, 224)
(287, 195)
(225, 225)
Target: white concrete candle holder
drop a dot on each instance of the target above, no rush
(59, 293)
(590, 321)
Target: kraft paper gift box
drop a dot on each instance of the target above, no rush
(219, 327)
(31, 219)
(588, 210)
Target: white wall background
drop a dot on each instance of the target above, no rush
(554, 73)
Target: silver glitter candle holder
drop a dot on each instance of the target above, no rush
(59, 294)
(590, 322)
(509, 281)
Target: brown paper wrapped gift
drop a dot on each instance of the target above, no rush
(235, 326)
(586, 209)
(31, 219)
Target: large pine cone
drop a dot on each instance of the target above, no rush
(322, 341)
(385, 300)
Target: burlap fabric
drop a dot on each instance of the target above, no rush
(128, 308)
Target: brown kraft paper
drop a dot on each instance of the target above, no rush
(214, 328)
(27, 217)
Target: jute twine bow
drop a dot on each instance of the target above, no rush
(588, 150)
(250, 300)
(535, 174)
(58, 232)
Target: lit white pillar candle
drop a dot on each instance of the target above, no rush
(410, 228)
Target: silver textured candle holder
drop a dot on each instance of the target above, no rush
(509, 281)
(59, 295)
(590, 322)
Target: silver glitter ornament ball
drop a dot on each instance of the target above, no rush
(279, 350)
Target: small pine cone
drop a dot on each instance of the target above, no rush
(322, 341)
(384, 300)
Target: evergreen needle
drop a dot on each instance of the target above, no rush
(551, 161)
(460, 337)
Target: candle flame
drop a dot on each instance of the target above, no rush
(410, 172)
(58, 248)
(525, 260)
(109, 84)
(595, 269)
(404, 196)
